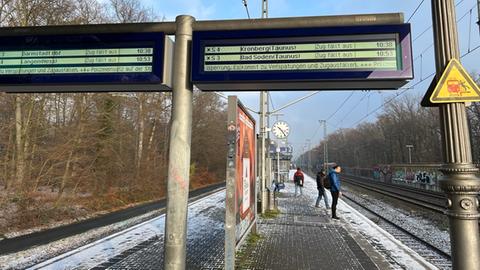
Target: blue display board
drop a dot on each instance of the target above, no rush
(84, 62)
(353, 57)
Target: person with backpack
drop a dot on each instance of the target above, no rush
(321, 184)
(298, 180)
(335, 188)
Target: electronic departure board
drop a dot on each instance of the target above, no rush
(357, 57)
(87, 62)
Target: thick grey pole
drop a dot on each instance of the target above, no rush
(179, 152)
(460, 181)
(263, 135)
(230, 214)
(263, 130)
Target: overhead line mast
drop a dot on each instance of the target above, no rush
(478, 9)
(263, 129)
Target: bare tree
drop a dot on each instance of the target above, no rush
(402, 122)
(127, 11)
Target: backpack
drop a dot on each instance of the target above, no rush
(326, 182)
(297, 178)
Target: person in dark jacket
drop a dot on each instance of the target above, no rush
(321, 189)
(335, 188)
(298, 180)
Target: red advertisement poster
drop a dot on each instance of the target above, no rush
(245, 173)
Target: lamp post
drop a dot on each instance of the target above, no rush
(409, 146)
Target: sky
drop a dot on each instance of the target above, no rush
(358, 106)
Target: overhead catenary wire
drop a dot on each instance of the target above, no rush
(318, 128)
(271, 100)
(354, 107)
(469, 51)
(421, 34)
(392, 98)
(341, 105)
(415, 11)
(408, 88)
(470, 30)
(430, 27)
(246, 7)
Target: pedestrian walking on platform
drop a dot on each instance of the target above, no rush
(321, 177)
(298, 180)
(335, 188)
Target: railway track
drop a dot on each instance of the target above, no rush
(15, 244)
(434, 201)
(430, 252)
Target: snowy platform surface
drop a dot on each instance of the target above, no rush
(303, 236)
(353, 242)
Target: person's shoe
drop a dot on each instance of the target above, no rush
(328, 207)
(316, 205)
(335, 217)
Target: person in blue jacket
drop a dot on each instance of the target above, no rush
(335, 188)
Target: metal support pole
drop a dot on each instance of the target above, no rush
(179, 152)
(409, 146)
(478, 17)
(230, 214)
(309, 156)
(460, 181)
(264, 9)
(325, 149)
(263, 130)
(278, 164)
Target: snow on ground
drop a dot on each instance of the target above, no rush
(423, 224)
(22, 259)
(386, 244)
(101, 250)
(90, 255)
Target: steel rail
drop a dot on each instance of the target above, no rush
(386, 220)
(415, 200)
(407, 188)
(19, 243)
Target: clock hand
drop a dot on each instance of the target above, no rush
(282, 131)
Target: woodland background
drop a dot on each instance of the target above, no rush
(402, 122)
(70, 156)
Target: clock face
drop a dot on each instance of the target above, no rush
(280, 129)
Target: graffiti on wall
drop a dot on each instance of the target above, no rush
(416, 175)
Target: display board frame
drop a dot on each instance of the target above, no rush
(83, 47)
(297, 79)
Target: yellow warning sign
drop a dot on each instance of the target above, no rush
(455, 85)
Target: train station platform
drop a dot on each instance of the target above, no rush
(303, 236)
(300, 236)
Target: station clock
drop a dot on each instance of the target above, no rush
(280, 129)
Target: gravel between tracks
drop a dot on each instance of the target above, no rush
(431, 227)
